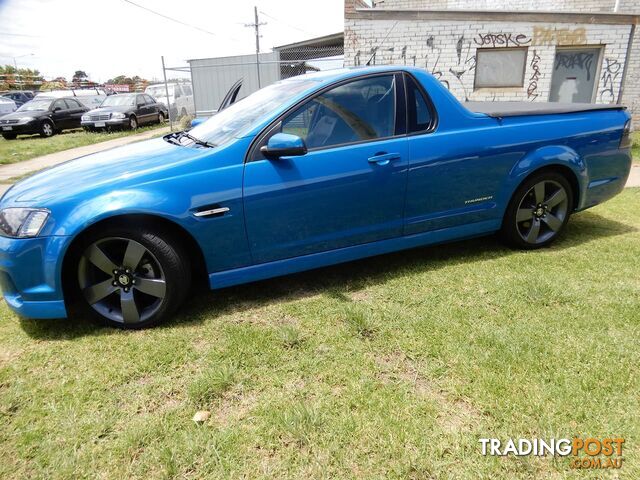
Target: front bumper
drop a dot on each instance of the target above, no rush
(20, 128)
(30, 275)
(112, 122)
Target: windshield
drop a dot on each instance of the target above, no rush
(35, 105)
(235, 121)
(118, 101)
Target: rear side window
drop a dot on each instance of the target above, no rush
(420, 115)
(353, 112)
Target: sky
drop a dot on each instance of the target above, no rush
(106, 38)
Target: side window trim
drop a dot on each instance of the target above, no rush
(433, 124)
(254, 148)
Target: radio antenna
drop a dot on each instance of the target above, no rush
(374, 50)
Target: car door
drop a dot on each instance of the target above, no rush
(142, 109)
(348, 189)
(453, 175)
(75, 112)
(60, 114)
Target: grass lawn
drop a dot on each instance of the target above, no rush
(26, 147)
(391, 367)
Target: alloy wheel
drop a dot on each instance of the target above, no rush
(133, 123)
(121, 280)
(47, 129)
(542, 211)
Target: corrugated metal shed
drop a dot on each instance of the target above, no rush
(213, 77)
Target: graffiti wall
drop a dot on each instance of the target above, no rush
(584, 58)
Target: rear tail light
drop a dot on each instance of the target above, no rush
(625, 141)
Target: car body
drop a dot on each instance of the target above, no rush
(311, 171)
(180, 100)
(44, 116)
(125, 110)
(7, 106)
(19, 96)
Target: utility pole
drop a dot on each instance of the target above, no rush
(256, 25)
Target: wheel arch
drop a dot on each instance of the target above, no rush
(136, 220)
(563, 170)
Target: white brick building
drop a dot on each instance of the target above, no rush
(567, 50)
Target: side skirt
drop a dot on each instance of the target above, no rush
(277, 268)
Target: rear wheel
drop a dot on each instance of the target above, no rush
(46, 129)
(131, 279)
(538, 211)
(9, 136)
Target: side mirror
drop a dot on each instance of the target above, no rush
(197, 121)
(140, 105)
(56, 109)
(284, 145)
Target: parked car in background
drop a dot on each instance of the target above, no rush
(180, 101)
(7, 106)
(19, 96)
(89, 97)
(42, 115)
(125, 110)
(310, 171)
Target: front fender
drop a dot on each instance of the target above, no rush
(548, 156)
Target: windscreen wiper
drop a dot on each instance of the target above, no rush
(197, 141)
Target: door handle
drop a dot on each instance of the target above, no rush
(383, 158)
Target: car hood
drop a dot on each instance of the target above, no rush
(116, 168)
(17, 115)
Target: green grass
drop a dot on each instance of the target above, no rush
(635, 149)
(390, 367)
(27, 147)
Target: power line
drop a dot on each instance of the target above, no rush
(175, 19)
(285, 23)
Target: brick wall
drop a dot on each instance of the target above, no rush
(447, 49)
(512, 5)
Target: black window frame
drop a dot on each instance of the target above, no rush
(253, 152)
(433, 113)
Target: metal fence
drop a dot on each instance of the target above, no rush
(198, 88)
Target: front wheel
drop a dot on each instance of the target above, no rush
(130, 278)
(133, 122)
(46, 129)
(538, 211)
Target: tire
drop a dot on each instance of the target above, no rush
(160, 117)
(46, 129)
(135, 292)
(538, 211)
(9, 136)
(133, 122)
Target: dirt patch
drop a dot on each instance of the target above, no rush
(455, 416)
(233, 407)
(8, 356)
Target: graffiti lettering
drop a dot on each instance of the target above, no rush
(501, 40)
(563, 36)
(532, 89)
(611, 71)
(581, 60)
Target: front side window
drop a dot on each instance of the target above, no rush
(60, 104)
(500, 67)
(357, 111)
(118, 101)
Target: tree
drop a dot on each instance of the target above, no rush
(79, 76)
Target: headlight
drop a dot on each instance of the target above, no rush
(118, 115)
(85, 118)
(25, 119)
(22, 222)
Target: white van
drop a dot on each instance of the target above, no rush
(180, 102)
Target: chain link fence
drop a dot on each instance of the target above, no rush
(198, 88)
